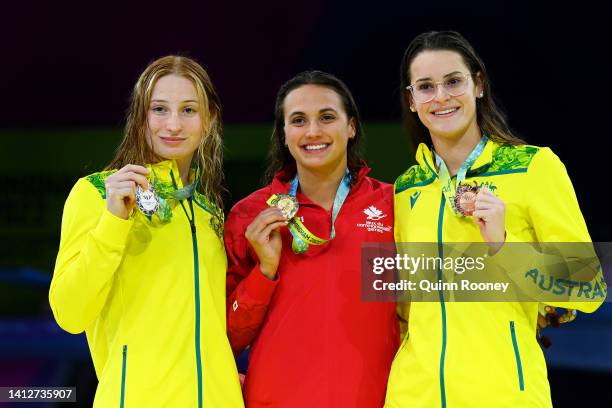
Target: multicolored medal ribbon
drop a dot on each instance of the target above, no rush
(288, 204)
(158, 199)
(460, 196)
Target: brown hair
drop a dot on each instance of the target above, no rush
(134, 148)
(490, 118)
(279, 155)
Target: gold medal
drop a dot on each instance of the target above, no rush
(286, 203)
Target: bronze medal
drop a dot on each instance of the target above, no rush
(465, 199)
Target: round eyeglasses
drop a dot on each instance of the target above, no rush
(425, 90)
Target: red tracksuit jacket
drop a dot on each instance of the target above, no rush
(314, 342)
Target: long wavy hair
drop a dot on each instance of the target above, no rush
(279, 155)
(208, 158)
(490, 118)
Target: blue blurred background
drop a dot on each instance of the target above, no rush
(67, 71)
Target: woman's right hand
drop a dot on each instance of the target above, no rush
(121, 189)
(264, 236)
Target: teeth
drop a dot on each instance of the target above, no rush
(315, 147)
(444, 112)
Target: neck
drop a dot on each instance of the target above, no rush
(184, 166)
(455, 150)
(321, 185)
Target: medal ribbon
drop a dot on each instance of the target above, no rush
(449, 189)
(302, 237)
(168, 200)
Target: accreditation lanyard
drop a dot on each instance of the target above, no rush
(302, 237)
(449, 189)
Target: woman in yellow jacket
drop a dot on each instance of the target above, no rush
(480, 183)
(141, 265)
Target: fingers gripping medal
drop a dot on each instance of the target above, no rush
(147, 201)
(286, 203)
(465, 199)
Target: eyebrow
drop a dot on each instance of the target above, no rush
(429, 79)
(320, 111)
(165, 101)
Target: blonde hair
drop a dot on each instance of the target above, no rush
(134, 148)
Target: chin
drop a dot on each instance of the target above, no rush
(170, 154)
(449, 132)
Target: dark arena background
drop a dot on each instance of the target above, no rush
(67, 70)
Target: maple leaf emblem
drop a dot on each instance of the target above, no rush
(374, 213)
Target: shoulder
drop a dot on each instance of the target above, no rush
(91, 186)
(378, 189)
(87, 198)
(245, 210)
(98, 181)
(415, 176)
(508, 158)
(522, 158)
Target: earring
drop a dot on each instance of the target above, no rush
(481, 94)
(412, 109)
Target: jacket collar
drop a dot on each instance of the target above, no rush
(166, 174)
(426, 160)
(282, 179)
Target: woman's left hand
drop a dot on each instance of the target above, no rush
(490, 215)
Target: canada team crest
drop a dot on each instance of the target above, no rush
(372, 222)
(373, 213)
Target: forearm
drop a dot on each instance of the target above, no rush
(85, 270)
(247, 307)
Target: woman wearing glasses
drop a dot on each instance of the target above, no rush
(294, 260)
(141, 265)
(474, 181)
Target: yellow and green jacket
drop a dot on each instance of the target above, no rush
(150, 296)
(480, 354)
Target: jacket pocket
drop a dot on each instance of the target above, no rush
(517, 355)
(123, 372)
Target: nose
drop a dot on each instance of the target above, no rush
(313, 129)
(441, 94)
(173, 124)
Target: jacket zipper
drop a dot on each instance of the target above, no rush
(196, 278)
(442, 304)
(123, 370)
(517, 355)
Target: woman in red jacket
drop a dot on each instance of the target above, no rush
(294, 250)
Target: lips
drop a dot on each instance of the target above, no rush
(172, 139)
(445, 112)
(315, 147)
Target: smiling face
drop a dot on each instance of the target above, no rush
(445, 116)
(174, 119)
(317, 129)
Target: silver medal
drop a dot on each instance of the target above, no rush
(147, 201)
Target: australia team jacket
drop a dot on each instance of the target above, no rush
(314, 341)
(150, 297)
(481, 354)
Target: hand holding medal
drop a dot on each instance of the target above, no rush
(121, 189)
(465, 199)
(264, 236)
(490, 215)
